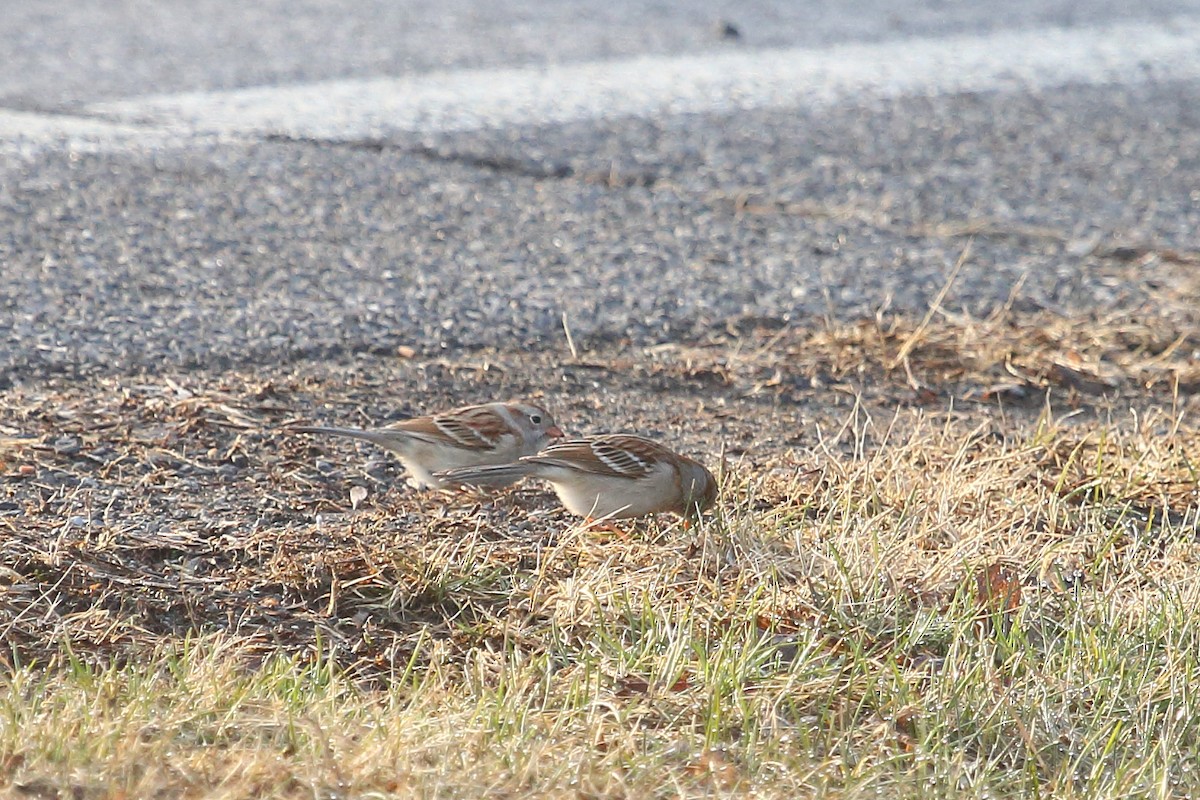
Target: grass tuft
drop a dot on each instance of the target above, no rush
(931, 598)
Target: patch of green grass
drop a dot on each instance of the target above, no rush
(938, 606)
(827, 678)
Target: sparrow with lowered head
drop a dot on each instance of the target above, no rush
(471, 436)
(614, 476)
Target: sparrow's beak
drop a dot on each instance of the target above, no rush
(555, 432)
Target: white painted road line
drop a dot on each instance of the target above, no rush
(26, 133)
(19, 128)
(655, 86)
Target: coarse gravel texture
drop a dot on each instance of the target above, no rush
(279, 251)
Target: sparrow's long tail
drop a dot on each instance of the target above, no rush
(385, 439)
(496, 475)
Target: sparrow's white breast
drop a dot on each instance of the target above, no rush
(591, 495)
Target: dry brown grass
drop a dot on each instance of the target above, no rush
(952, 558)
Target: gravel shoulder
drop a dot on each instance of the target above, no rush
(290, 251)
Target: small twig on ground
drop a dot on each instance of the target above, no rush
(570, 339)
(916, 335)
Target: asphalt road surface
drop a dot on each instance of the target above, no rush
(210, 185)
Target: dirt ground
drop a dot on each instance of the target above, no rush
(133, 508)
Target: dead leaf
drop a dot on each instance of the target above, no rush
(631, 685)
(682, 683)
(998, 589)
(715, 767)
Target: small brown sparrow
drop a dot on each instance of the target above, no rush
(492, 433)
(615, 476)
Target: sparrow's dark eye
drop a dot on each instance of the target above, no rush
(536, 419)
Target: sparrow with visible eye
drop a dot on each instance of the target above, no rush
(492, 433)
(615, 476)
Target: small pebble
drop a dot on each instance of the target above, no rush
(67, 445)
(377, 469)
(727, 30)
